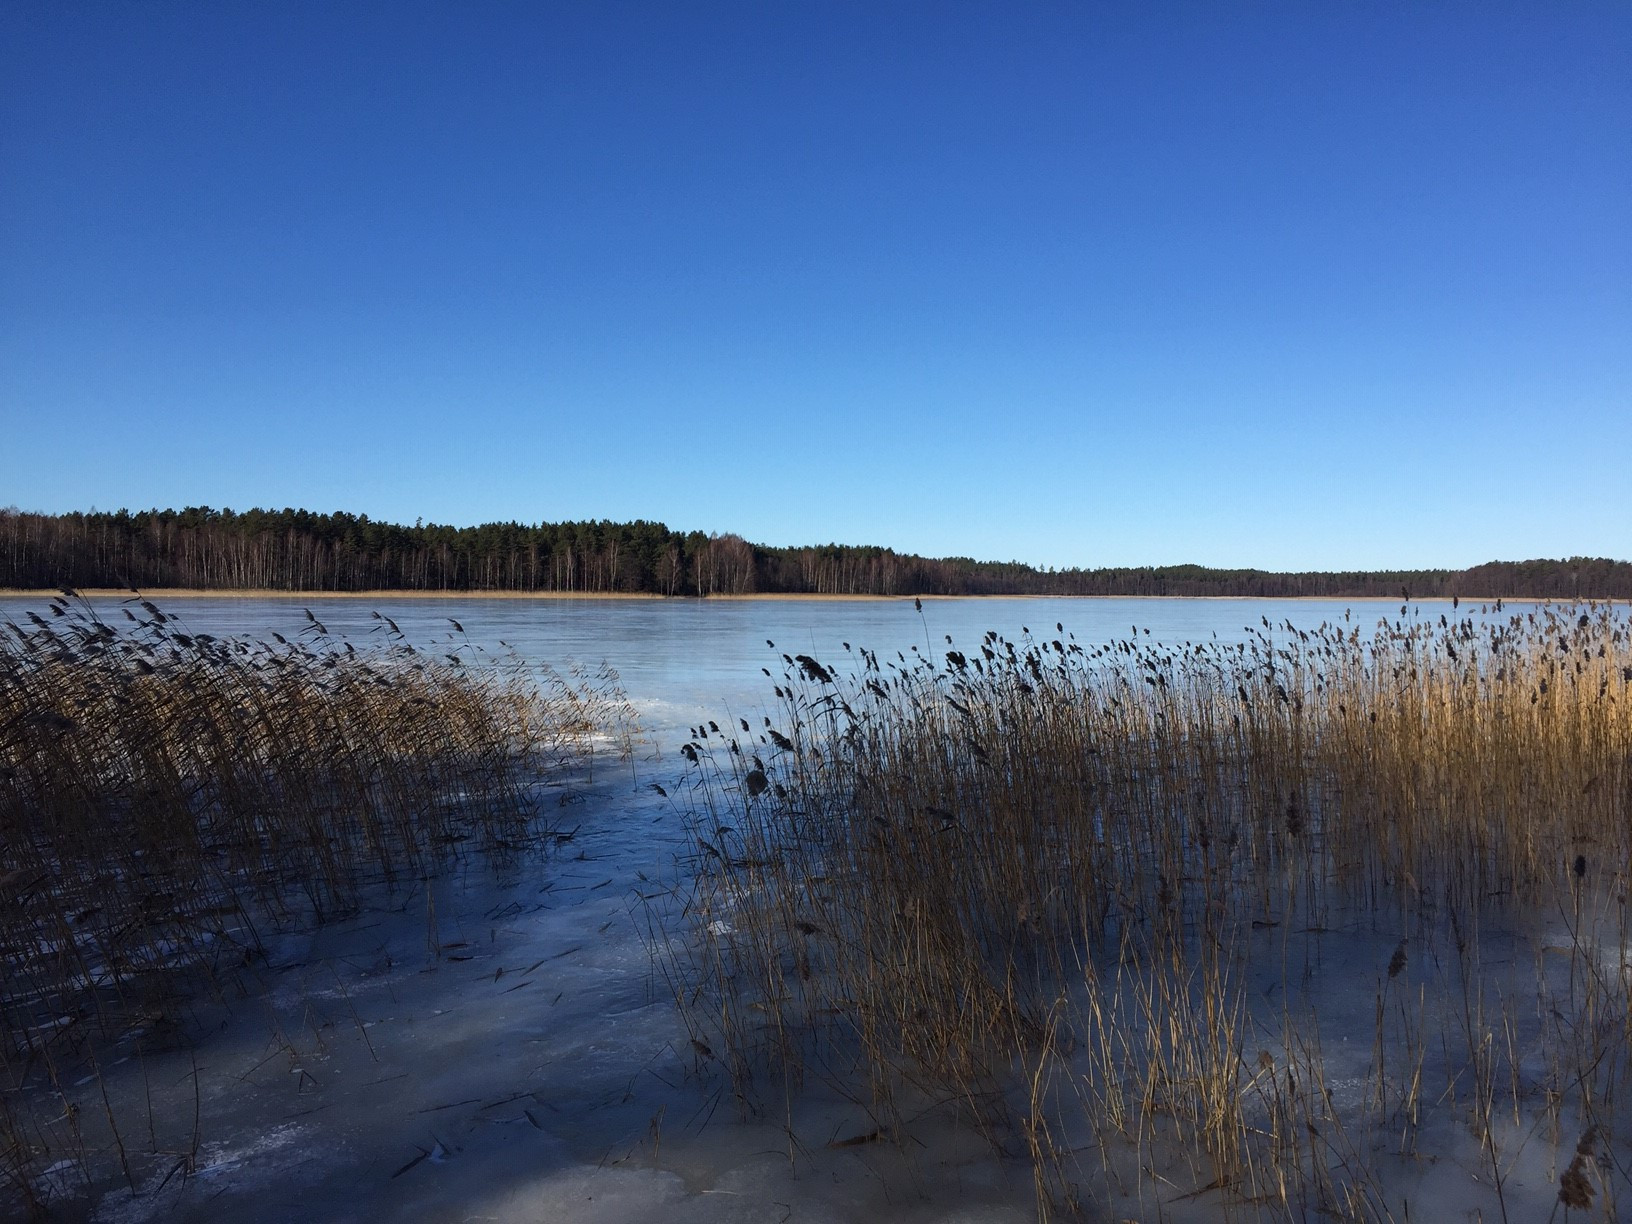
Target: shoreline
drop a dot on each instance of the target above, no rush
(752, 597)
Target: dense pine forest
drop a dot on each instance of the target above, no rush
(297, 550)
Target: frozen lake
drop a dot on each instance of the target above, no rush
(505, 1046)
(682, 658)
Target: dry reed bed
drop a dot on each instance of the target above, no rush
(165, 795)
(1104, 903)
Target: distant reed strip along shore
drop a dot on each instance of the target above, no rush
(200, 548)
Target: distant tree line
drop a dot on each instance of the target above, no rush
(297, 550)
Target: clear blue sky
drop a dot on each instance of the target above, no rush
(1314, 285)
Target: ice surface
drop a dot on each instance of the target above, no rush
(503, 1044)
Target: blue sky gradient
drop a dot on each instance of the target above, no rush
(1302, 286)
